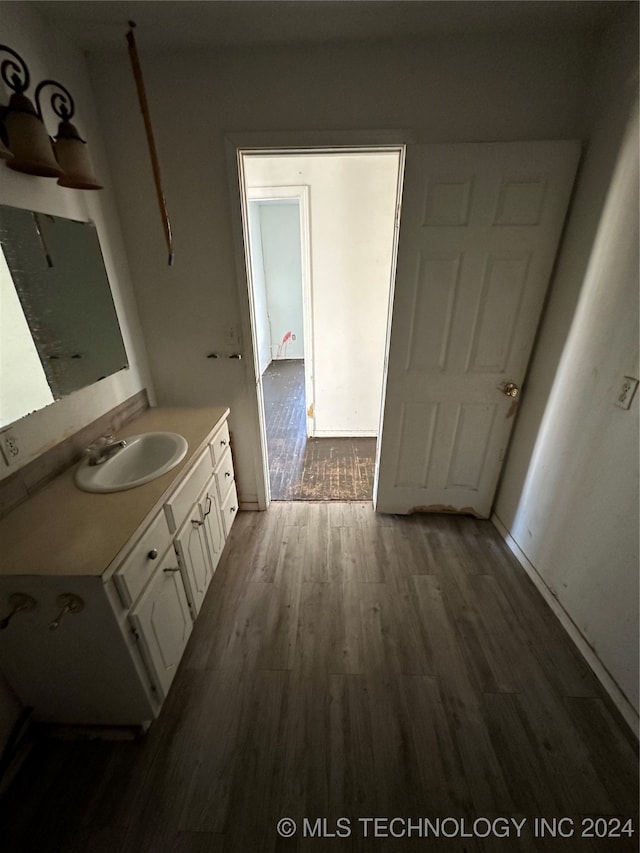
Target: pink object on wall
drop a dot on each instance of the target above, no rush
(282, 347)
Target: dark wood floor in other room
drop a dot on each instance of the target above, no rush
(347, 664)
(301, 469)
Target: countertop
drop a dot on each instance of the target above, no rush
(62, 530)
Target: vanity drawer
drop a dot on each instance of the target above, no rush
(133, 574)
(220, 443)
(229, 509)
(179, 504)
(224, 474)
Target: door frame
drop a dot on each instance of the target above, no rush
(299, 193)
(293, 142)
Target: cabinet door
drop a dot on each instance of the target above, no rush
(213, 524)
(193, 552)
(163, 622)
(224, 475)
(229, 509)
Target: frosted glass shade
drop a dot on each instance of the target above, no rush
(28, 140)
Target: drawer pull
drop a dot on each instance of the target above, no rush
(209, 505)
(171, 569)
(153, 554)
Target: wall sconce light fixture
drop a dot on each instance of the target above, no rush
(24, 141)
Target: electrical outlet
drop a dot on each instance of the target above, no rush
(626, 392)
(9, 447)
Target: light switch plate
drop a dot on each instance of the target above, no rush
(626, 392)
(9, 447)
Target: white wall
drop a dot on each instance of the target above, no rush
(352, 201)
(49, 55)
(261, 314)
(449, 88)
(280, 228)
(569, 496)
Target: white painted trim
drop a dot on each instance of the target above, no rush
(291, 142)
(239, 227)
(392, 289)
(299, 193)
(319, 141)
(327, 433)
(600, 671)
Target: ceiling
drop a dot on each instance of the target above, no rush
(101, 24)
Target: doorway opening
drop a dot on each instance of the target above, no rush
(320, 232)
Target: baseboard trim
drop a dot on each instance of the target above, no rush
(322, 433)
(616, 695)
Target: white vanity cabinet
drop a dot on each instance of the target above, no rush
(194, 556)
(113, 661)
(162, 622)
(212, 523)
(224, 480)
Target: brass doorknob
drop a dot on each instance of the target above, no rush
(511, 390)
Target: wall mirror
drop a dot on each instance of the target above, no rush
(59, 330)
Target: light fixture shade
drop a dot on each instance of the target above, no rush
(73, 158)
(28, 140)
(5, 154)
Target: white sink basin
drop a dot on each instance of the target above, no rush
(144, 458)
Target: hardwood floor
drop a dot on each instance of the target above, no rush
(301, 469)
(351, 665)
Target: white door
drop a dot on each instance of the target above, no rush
(163, 622)
(212, 521)
(193, 551)
(479, 231)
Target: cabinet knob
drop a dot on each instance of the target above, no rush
(232, 509)
(223, 442)
(227, 473)
(153, 554)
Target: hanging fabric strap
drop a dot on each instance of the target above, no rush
(144, 107)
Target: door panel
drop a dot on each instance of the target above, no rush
(193, 551)
(163, 622)
(478, 237)
(213, 525)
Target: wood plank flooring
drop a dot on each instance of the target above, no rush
(301, 469)
(350, 665)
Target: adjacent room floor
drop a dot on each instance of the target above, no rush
(331, 469)
(349, 665)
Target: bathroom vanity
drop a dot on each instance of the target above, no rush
(102, 590)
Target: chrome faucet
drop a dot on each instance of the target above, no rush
(102, 448)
